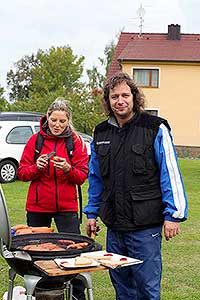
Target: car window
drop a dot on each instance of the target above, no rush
(19, 135)
(37, 128)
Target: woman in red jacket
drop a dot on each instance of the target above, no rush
(52, 192)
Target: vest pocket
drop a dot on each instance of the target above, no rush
(146, 210)
(103, 155)
(139, 161)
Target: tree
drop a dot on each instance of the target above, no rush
(35, 77)
(19, 79)
(59, 68)
(37, 80)
(87, 110)
(108, 55)
(96, 78)
(3, 102)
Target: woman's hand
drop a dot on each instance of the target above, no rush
(61, 163)
(41, 162)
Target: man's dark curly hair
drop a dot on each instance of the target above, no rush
(138, 96)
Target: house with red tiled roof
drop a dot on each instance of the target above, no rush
(166, 66)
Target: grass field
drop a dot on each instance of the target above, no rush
(181, 256)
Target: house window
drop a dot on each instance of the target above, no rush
(146, 77)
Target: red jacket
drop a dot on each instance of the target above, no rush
(51, 190)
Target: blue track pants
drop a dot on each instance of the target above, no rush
(142, 281)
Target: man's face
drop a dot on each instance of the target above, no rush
(121, 102)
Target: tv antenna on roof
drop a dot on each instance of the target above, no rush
(141, 13)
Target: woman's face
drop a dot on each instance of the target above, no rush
(57, 122)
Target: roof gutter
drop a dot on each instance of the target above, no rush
(121, 60)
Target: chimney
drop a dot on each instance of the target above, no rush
(174, 32)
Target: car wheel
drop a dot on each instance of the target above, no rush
(8, 171)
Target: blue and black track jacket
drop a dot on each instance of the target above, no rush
(134, 178)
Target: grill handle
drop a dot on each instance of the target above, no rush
(16, 254)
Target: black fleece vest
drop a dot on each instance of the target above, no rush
(131, 198)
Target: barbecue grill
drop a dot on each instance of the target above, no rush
(22, 262)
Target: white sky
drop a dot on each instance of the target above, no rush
(87, 26)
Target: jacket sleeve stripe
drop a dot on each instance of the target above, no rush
(173, 194)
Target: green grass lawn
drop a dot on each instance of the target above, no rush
(181, 255)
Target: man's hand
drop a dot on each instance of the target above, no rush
(92, 227)
(171, 229)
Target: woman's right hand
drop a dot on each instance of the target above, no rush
(42, 162)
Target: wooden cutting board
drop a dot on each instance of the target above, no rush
(50, 268)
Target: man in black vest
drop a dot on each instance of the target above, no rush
(135, 187)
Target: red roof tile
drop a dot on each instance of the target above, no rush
(155, 47)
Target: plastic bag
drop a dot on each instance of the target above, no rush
(19, 293)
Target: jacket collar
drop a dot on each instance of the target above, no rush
(113, 121)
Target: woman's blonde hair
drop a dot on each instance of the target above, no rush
(61, 104)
